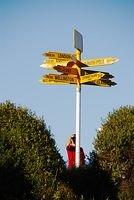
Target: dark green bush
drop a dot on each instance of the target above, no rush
(29, 159)
(91, 183)
(114, 145)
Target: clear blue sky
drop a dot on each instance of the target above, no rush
(31, 27)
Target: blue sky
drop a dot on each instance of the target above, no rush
(31, 27)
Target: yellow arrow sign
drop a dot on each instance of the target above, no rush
(100, 61)
(59, 55)
(59, 79)
(50, 63)
(91, 77)
(48, 82)
(101, 82)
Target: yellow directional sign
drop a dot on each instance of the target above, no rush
(91, 77)
(50, 63)
(101, 82)
(100, 61)
(51, 82)
(56, 58)
(106, 74)
(59, 79)
(59, 55)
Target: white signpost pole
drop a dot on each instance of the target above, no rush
(78, 44)
(78, 117)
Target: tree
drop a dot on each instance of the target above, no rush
(29, 158)
(114, 146)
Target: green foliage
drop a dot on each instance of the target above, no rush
(31, 167)
(114, 145)
(64, 192)
(27, 149)
(91, 183)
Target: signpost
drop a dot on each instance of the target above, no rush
(56, 78)
(70, 65)
(91, 77)
(101, 82)
(58, 55)
(100, 61)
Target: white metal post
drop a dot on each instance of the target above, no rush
(78, 117)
